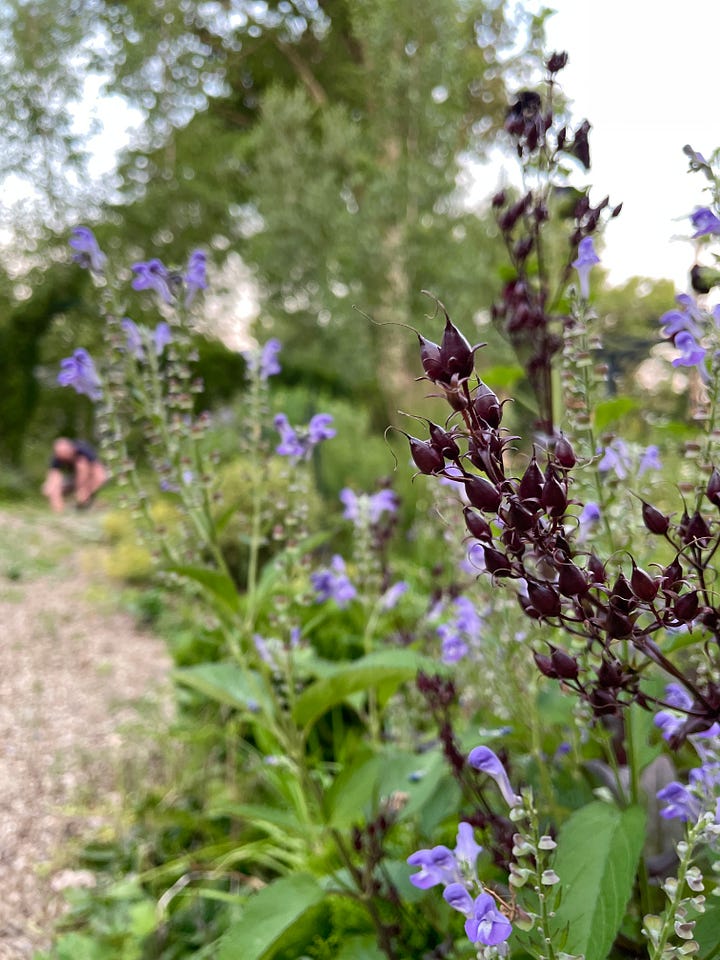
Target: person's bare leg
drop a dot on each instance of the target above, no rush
(83, 480)
(53, 490)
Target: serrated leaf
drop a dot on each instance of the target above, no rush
(267, 915)
(384, 671)
(597, 856)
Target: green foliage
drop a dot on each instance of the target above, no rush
(598, 852)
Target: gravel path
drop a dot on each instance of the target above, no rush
(73, 672)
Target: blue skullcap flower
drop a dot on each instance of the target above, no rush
(79, 371)
(374, 504)
(195, 275)
(290, 445)
(680, 803)
(133, 338)
(319, 428)
(483, 759)
(153, 275)
(390, 598)
(704, 222)
(691, 353)
(161, 337)
(467, 849)
(650, 460)
(616, 457)
(586, 260)
(333, 584)
(486, 924)
(437, 865)
(88, 254)
(269, 364)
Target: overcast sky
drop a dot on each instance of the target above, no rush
(646, 76)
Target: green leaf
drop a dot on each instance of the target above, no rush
(707, 931)
(598, 852)
(360, 948)
(268, 915)
(609, 411)
(218, 586)
(226, 682)
(384, 670)
(355, 794)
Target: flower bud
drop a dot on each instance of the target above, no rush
(610, 673)
(482, 494)
(544, 598)
(496, 563)
(556, 61)
(713, 488)
(430, 358)
(697, 530)
(643, 585)
(545, 666)
(531, 485)
(554, 496)
(618, 625)
(564, 453)
(571, 580)
(477, 525)
(487, 406)
(672, 575)
(456, 355)
(426, 458)
(597, 569)
(655, 521)
(565, 666)
(686, 607)
(443, 442)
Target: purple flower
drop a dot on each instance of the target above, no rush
(458, 634)
(486, 924)
(681, 804)
(375, 504)
(319, 428)
(483, 759)
(616, 457)
(586, 260)
(467, 849)
(133, 338)
(589, 515)
(436, 866)
(195, 275)
(688, 318)
(333, 584)
(162, 337)
(457, 896)
(89, 254)
(391, 596)
(650, 460)
(79, 371)
(691, 353)
(704, 222)
(153, 275)
(299, 445)
(269, 365)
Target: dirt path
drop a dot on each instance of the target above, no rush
(72, 671)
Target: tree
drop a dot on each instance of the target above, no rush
(323, 142)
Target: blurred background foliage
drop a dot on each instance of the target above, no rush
(322, 151)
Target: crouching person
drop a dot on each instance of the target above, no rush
(75, 470)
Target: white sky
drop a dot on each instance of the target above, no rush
(645, 74)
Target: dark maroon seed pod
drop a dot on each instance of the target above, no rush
(643, 585)
(456, 354)
(430, 358)
(499, 199)
(544, 665)
(443, 442)
(528, 609)
(554, 497)
(610, 673)
(672, 575)
(531, 485)
(455, 396)
(564, 453)
(656, 522)
(571, 580)
(697, 530)
(477, 525)
(487, 406)
(544, 598)
(565, 665)
(618, 625)
(496, 563)
(482, 494)
(686, 607)
(713, 488)
(597, 569)
(518, 516)
(427, 459)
